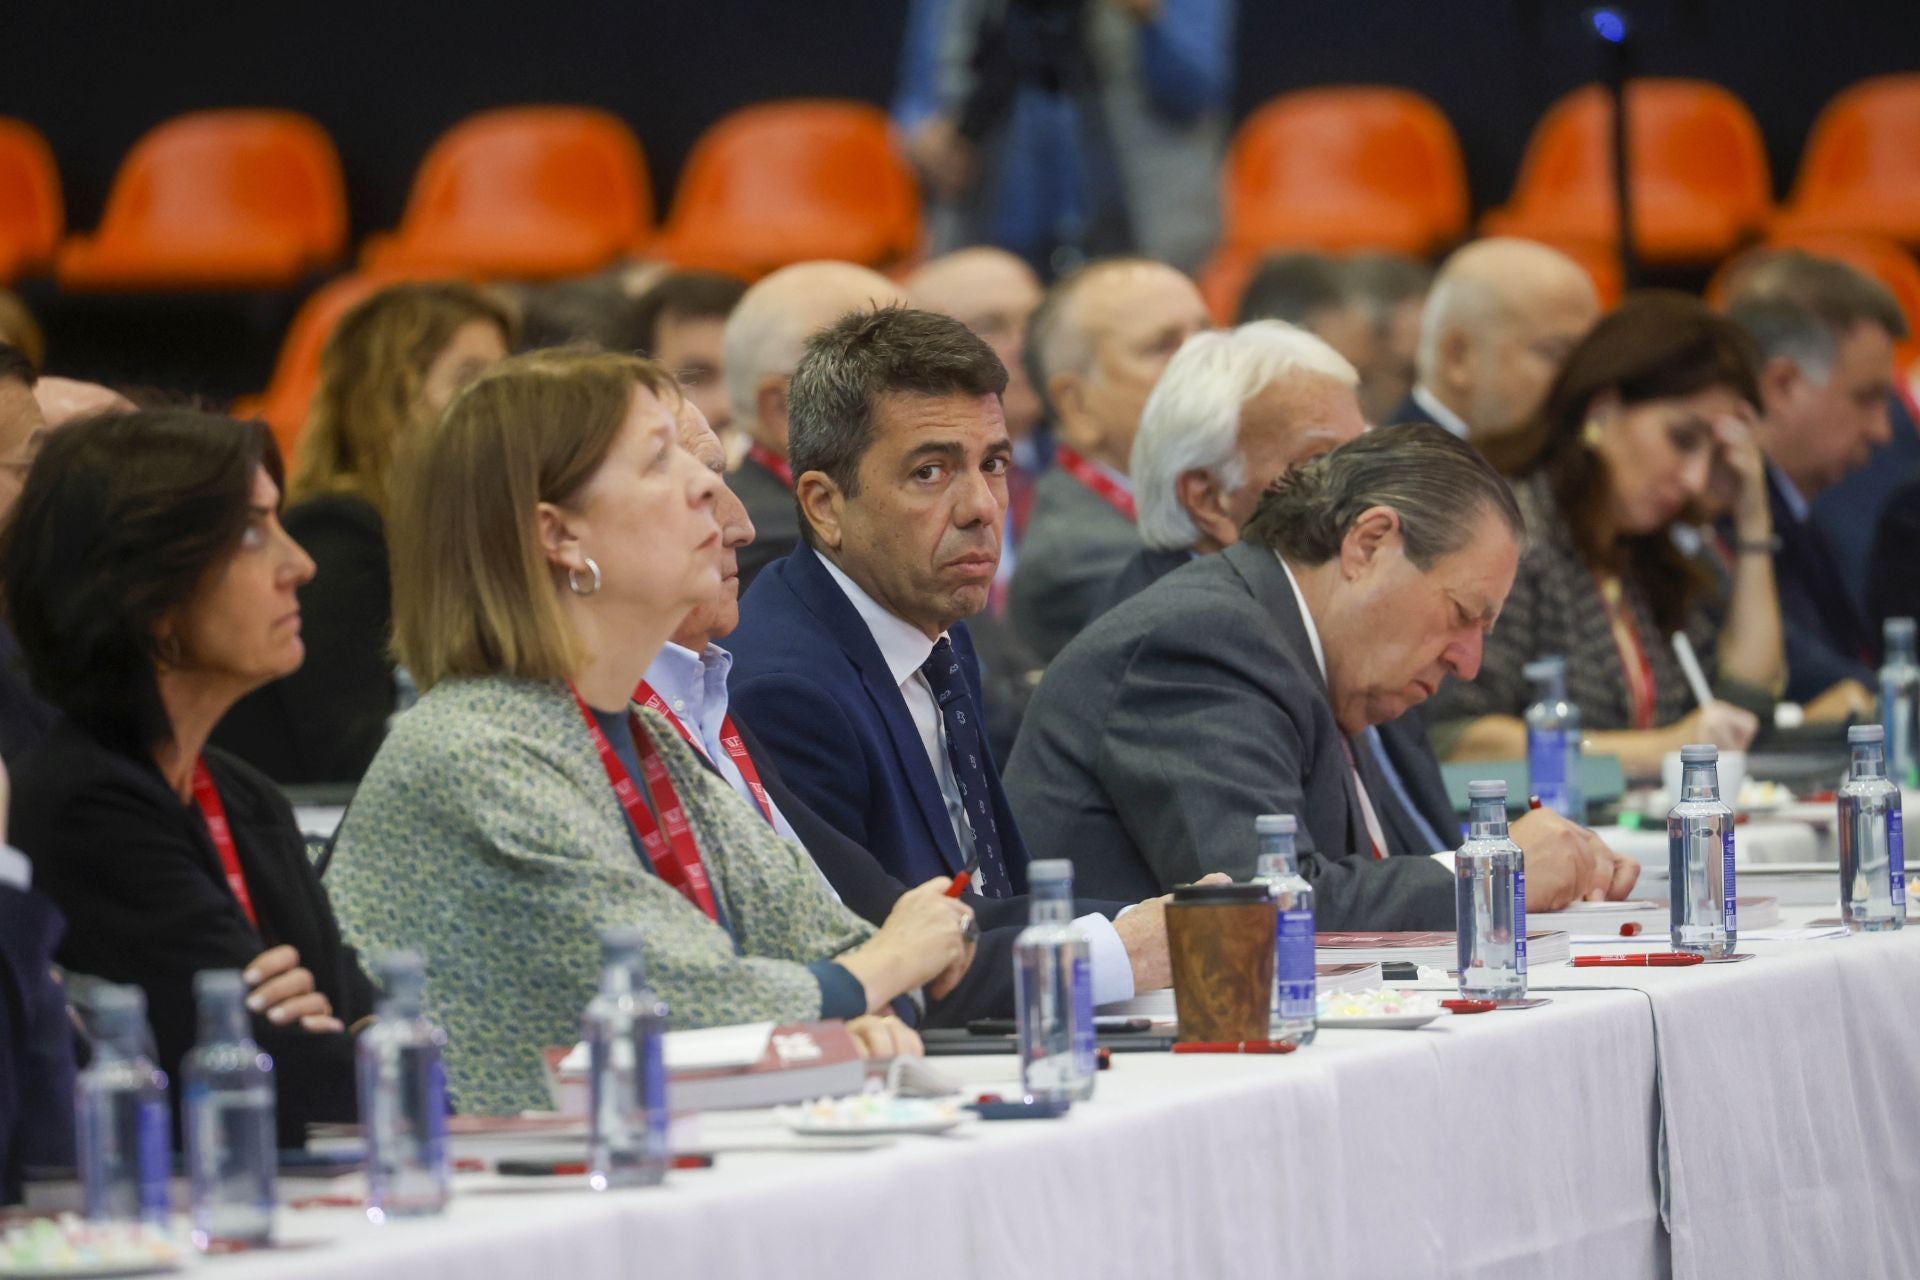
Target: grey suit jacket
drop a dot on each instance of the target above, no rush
(1175, 720)
(1075, 546)
(776, 521)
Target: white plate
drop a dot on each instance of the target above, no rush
(1378, 1022)
(807, 1126)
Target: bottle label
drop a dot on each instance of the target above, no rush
(155, 1160)
(1896, 855)
(1547, 769)
(1083, 1056)
(1729, 901)
(1520, 921)
(434, 1140)
(653, 1089)
(1293, 964)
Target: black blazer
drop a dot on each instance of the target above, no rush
(1893, 581)
(146, 902)
(776, 521)
(36, 1043)
(324, 722)
(25, 717)
(1826, 634)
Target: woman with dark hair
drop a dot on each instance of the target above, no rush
(150, 585)
(389, 368)
(1649, 412)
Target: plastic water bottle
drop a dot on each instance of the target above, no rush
(232, 1144)
(1900, 704)
(1873, 875)
(403, 1098)
(125, 1134)
(626, 1071)
(1294, 981)
(1490, 900)
(1700, 859)
(1053, 991)
(1553, 742)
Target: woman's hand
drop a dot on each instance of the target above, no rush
(1726, 726)
(885, 1036)
(1752, 516)
(926, 939)
(284, 991)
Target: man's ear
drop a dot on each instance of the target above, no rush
(559, 539)
(770, 411)
(1067, 393)
(821, 506)
(1456, 358)
(1376, 531)
(1205, 502)
(1780, 380)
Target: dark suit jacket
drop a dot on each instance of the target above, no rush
(1147, 566)
(324, 722)
(1410, 411)
(146, 902)
(1893, 573)
(25, 717)
(1826, 634)
(1160, 734)
(1849, 513)
(776, 521)
(36, 1043)
(870, 892)
(807, 673)
(1074, 545)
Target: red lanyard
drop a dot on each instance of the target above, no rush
(729, 741)
(675, 856)
(1634, 661)
(207, 797)
(781, 468)
(1103, 485)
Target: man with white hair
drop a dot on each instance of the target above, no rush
(1235, 410)
(1499, 323)
(764, 339)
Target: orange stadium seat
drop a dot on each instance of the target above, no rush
(31, 213)
(787, 182)
(1861, 168)
(1883, 259)
(524, 192)
(224, 199)
(1700, 183)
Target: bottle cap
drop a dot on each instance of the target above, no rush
(1543, 670)
(1699, 753)
(1866, 733)
(403, 975)
(114, 1010)
(1276, 824)
(218, 985)
(1899, 628)
(1490, 789)
(619, 939)
(1050, 871)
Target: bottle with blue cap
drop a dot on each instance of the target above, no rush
(1053, 991)
(1873, 879)
(125, 1133)
(1553, 742)
(624, 1029)
(403, 1097)
(1705, 911)
(1900, 703)
(1490, 900)
(228, 1113)
(1295, 994)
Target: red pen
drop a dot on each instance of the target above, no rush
(959, 885)
(1470, 1006)
(1655, 960)
(1533, 802)
(1235, 1046)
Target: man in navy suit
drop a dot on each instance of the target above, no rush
(852, 660)
(1826, 335)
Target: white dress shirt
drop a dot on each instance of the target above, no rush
(1439, 412)
(905, 649)
(694, 687)
(15, 871)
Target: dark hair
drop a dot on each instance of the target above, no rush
(1292, 287)
(862, 356)
(120, 520)
(595, 312)
(1796, 305)
(15, 367)
(684, 295)
(1656, 345)
(1436, 481)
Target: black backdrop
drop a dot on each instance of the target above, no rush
(385, 79)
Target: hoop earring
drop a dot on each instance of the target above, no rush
(573, 579)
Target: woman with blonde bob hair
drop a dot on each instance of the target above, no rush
(388, 369)
(555, 538)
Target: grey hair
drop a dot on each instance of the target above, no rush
(1192, 420)
(862, 356)
(1436, 481)
(1795, 305)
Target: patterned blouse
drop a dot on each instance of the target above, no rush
(1556, 609)
(486, 837)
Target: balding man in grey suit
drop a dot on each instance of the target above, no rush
(1245, 683)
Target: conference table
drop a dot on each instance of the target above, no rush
(1747, 1119)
